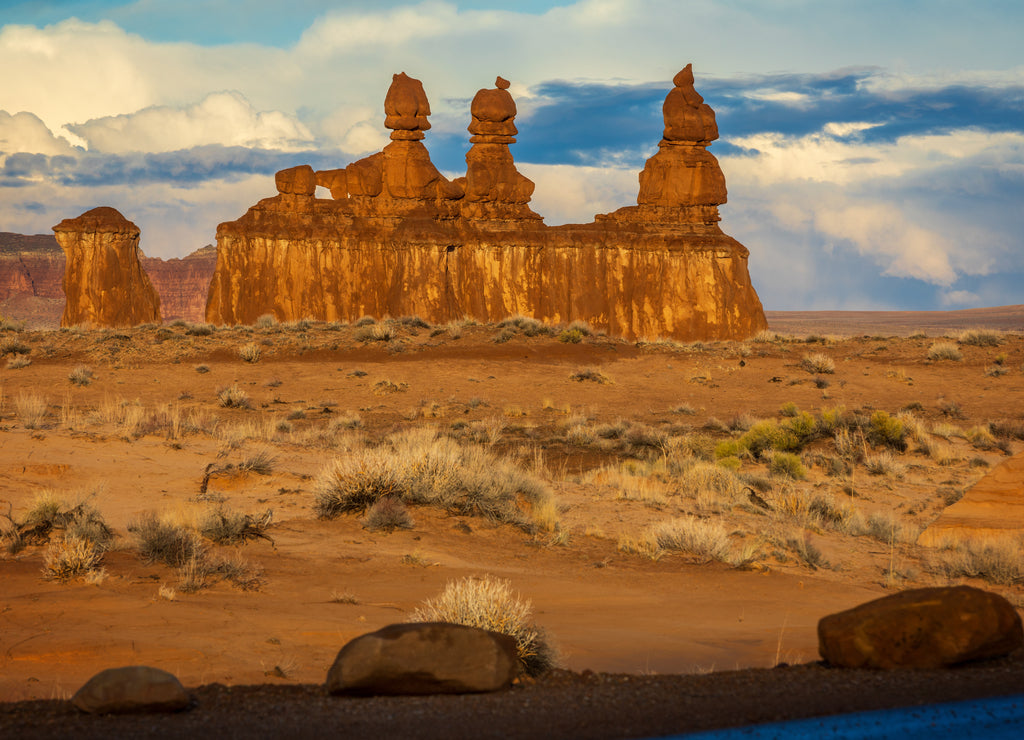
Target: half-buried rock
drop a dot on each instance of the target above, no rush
(424, 658)
(921, 628)
(131, 689)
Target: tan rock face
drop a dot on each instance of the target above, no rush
(921, 628)
(425, 658)
(991, 508)
(398, 238)
(104, 282)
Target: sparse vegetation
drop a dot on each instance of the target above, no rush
(250, 352)
(818, 363)
(589, 374)
(387, 514)
(489, 603)
(30, 409)
(233, 397)
(944, 351)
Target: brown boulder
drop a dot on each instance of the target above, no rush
(921, 628)
(424, 658)
(104, 283)
(299, 180)
(131, 689)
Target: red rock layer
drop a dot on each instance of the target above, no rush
(104, 282)
(398, 238)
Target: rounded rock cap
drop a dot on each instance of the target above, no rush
(103, 218)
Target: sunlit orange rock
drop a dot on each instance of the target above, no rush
(104, 282)
(398, 238)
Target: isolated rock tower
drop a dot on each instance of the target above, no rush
(398, 238)
(104, 282)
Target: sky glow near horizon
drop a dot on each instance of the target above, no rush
(874, 151)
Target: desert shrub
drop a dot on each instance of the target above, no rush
(70, 557)
(163, 542)
(1008, 429)
(503, 336)
(884, 463)
(818, 363)
(980, 337)
(944, 351)
(765, 336)
(386, 387)
(580, 435)
(683, 408)
(713, 486)
(641, 436)
(727, 448)
(616, 430)
(996, 371)
(18, 361)
(981, 437)
(50, 513)
(226, 527)
(528, 326)
(789, 409)
(571, 336)
(414, 322)
(266, 321)
(589, 374)
(81, 375)
(13, 346)
(260, 463)
(365, 321)
(831, 420)
(199, 330)
(488, 603)
(387, 514)
(886, 430)
(250, 352)
(233, 397)
(30, 409)
(418, 467)
(788, 465)
(202, 369)
(767, 435)
(884, 526)
(998, 560)
(376, 332)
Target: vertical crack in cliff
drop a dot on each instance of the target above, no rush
(450, 295)
(28, 274)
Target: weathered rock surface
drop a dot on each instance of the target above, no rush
(131, 689)
(991, 508)
(424, 658)
(104, 282)
(32, 271)
(398, 238)
(921, 628)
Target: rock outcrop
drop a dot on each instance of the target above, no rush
(398, 238)
(424, 658)
(921, 628)
(104, 282)
(131, 689)
(993, 508)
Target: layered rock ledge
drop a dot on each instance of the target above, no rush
(398, 238)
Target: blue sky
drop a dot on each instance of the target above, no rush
(874, 151)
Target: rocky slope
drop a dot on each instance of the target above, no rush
(398, 238)
(32, 268)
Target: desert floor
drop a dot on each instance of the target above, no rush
(625, 435)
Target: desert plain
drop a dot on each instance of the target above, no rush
(703, 504)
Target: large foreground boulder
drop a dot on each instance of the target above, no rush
(921, 628)
(424, 658)
(130, 689)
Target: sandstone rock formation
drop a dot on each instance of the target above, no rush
(104, 282)
(921, 628)
(131, 689)
(398, 238)
(32, 271)
(991, 508)
(424, 658)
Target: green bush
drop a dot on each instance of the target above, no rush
(886, 430)
(787, 464)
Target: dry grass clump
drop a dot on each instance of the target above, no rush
(70, 557)
(589, 374)
(266, 321)
(226, 527)
(703, 539)
(384, 331)
(998, 560)
(419, 467)
(980, 337)
(818, 363)
(944, 351)
(199, 330)
(489, 603)
(30, 409)
(885, 526)
(787, 464)
(50, 513)
(13, 346)
(386, 387)
(530, 327)
(18, 361)
(250, 352)
(80, 376)
(233, 397)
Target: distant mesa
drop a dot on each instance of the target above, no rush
(398, 238)
(104, 282)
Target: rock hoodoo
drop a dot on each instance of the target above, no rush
(398, 238)
(104, 282)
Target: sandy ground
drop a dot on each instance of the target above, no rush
(140, 435)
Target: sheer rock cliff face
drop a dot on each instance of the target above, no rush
(104, 282)
(398, 238)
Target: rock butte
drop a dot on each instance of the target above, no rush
(104, 282)
(991, 508)
(398, 238)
